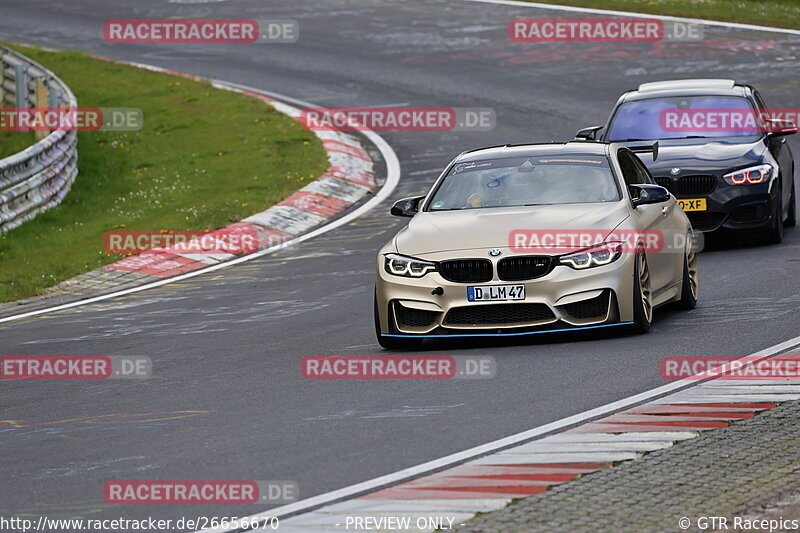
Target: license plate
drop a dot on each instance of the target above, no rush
(693, 204)
(495, 293)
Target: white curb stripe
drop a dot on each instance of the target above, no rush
(632, 437)
(593, 447)
(501, 459)
(287, 218)
(337, 188)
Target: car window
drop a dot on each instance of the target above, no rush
(641, 170)
(630, 173)
(759, 102)
(531, 180)
(682, 118)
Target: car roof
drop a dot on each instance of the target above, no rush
(692, 87)
(525, 150)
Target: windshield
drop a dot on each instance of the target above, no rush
(536, 180)
(682, 118)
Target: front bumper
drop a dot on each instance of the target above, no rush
(734, 207)
(563, 299)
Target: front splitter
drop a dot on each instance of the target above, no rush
(516, 334)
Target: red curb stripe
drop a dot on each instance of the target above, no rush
(762, 405)
(360, 178)
(148, 259)
(632, 428)
(536, 478)
(591, 466)
(166, 273)
(425, 494)
(347, 149)
(720, 414)
(688, 410)
(516, 470)
(326, 206)
(473, 484)
(626, 418)
(558, 478)
(267, 235)
(262, 97)
(498, 490)
(677, 423)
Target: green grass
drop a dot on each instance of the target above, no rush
(204, 158)
(778, 13)
(12, 142)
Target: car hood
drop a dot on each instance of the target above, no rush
(699, 155)
(487, 228)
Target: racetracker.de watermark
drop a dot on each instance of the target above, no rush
(601, 30)
(629, 241)
(144, 524)
(200, 492)
(702, 120)
(71, 119)
(75, 367)
(235, 240)
(140, 31)
(398, 367)
(781, 367)
(398, 119)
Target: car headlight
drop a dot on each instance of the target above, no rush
(600, 255)
(400, 265)
(749, 176)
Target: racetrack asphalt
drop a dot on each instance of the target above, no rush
(227, 400)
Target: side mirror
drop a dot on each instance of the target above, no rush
(777, 127)
(588, 134)
(648, 194)
(407, 207)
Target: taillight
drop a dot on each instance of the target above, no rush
(749, 176)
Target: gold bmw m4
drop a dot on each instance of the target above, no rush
(529, 239)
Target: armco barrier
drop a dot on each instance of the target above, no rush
(38, 177)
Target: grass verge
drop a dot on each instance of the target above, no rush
(204, 158)
(777, 13)
(16, 141)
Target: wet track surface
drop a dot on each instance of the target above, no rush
(227, 400)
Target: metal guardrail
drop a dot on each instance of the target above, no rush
(38, 177)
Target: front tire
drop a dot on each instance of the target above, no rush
(392, 343)
(774, 234)
(689, 285)
(791, 220)
(642, 295)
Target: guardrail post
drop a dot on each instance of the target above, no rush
(21, 77)
(41, 103)
(54, 96)
(2, 79)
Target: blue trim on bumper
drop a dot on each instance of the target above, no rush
(508, 334)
